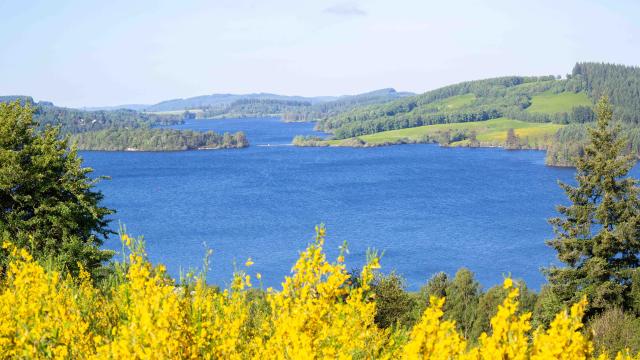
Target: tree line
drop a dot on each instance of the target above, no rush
(254, 108)
(153, 139)
(323, 110)
(73, 121)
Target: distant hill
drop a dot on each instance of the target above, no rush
(533, 99)
(136, 107)
(230, 105)
(217, 100)
(298, 108)
(73, 121)
(529, 99)
(326, 109)
(291, 108)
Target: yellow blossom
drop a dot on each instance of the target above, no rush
(146, 315)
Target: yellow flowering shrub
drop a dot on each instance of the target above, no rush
(508, 339)
(432, 338)
(39, 315)
(315, 313)
(318, 314)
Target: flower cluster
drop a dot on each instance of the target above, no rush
(144, 314)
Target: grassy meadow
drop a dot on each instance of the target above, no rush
(551, 103)
(489, 133)
(453, 102)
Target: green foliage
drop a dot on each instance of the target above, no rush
(513, 141)
(543, 310)
(323, 110)
(569, 142)
(531, 99)
(567, 145)
(254, 108)
(310, 140)
(635, 292)
(598, 235)
(47, 200)
(153, 139)
(73, 121)
(462, 295)
(619, 83)
(468, 101)
(615, 330)
(436, 286)
(394, 306)
(476, 133)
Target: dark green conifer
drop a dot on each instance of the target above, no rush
(597, 236)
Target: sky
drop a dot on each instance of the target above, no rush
(101, 53)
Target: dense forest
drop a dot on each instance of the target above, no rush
(326, 109)
(296, 108)
(254, 108)
(150, 139)
(222, 100)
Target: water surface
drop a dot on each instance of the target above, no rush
(428, 208)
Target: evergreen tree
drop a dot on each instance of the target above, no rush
(47, 201)
(598, 235)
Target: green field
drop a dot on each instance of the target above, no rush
(453, 102)
(489, 133)
(550, 103)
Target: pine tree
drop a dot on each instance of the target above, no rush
(598, 235)
(47, 201)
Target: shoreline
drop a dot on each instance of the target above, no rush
(353, 143)
(128, 150)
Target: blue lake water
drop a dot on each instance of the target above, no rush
(428, 208)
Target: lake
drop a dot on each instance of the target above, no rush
(428, 208)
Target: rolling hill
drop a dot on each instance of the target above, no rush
(481, 112)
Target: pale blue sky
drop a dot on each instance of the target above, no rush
(93, 53)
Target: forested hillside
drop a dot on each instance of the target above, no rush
(72, 121)
(323, 110)
(254, 108)
(545, 99)
(290, 108)
(221, 100)
(468, 101)
(123, 129)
